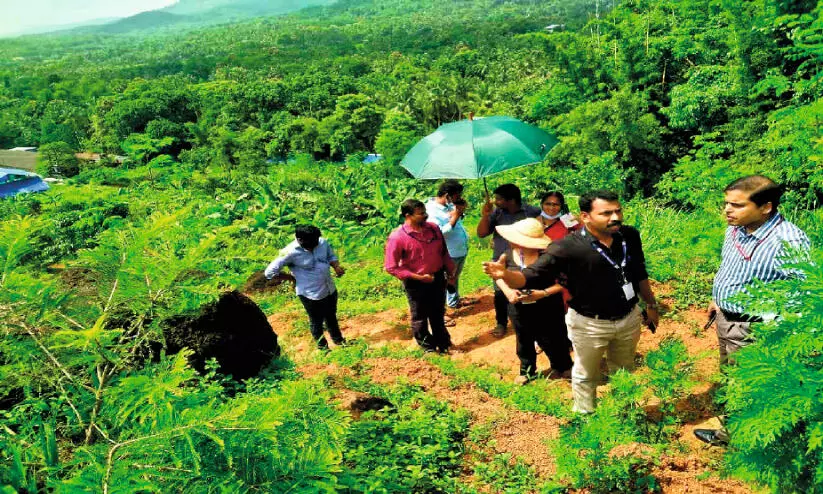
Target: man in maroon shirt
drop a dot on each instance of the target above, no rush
(416, 254)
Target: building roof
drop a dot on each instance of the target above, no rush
(18, 159)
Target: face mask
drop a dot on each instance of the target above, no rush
(550, 217)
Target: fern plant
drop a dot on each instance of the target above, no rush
(774, 394)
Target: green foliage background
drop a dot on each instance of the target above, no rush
(233, 134)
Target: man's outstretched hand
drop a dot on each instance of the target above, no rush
(496, 269)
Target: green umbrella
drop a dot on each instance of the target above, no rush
(477, 148)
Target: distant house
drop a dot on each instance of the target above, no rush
(93, 157)
(13, 182)
(96, 157)
(25, 149)
(554, 27)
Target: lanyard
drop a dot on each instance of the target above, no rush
(756, 245)
(621, 268)
(522, 263)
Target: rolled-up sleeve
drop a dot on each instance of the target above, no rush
(394, 255)
(332, 257)
(444, 224)
(439, 218)
(277, 265)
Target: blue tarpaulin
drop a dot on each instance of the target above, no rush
(13, 182)
(371, 158)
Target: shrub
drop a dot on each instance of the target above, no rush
(415, 448)
(774, 391)
(609, 451)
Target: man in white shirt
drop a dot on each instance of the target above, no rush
(446, 211)
(309, 259)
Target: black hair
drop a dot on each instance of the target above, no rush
(761, 190)
(509, 192)
(564, 208)
(409, 205)
(449, 186)
(588, 198)
(307, 232)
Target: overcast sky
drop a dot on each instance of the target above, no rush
(23, 15)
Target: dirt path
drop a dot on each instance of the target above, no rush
(524, 435)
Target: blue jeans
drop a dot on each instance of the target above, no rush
(452, 298)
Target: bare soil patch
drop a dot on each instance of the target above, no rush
(522, 434)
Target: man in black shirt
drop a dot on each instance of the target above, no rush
(604, 268)
(508, 209)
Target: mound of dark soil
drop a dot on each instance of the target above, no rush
(257, 283)
(232, 330)
(82, 281)
(358, 403)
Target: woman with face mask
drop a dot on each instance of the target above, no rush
(557, 222)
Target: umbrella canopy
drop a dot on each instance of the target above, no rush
(477, 148)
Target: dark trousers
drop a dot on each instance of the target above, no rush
(321, 310)
(543, 322)
(501, 307)
(427, 305)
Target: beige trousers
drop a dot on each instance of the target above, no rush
(731, 337)
(591, 338)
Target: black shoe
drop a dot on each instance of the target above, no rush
(713, 437)
(342, 342)
(499, 331)
(429, 349)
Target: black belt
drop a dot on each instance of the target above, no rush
(592, 315)
(736, 317)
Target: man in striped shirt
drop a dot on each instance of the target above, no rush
(757, 247)
(759, 243)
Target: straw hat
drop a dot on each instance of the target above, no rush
(526, 233)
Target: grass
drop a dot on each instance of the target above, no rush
(540, 396)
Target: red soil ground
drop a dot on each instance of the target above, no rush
(523, 434)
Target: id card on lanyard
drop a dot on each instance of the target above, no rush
(626, 285)
(518, 260)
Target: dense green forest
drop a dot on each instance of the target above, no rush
(235, 133)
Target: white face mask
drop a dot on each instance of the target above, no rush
(550, 217)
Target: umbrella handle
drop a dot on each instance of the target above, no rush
(487, 188)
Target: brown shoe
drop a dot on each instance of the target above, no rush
(449, 322)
